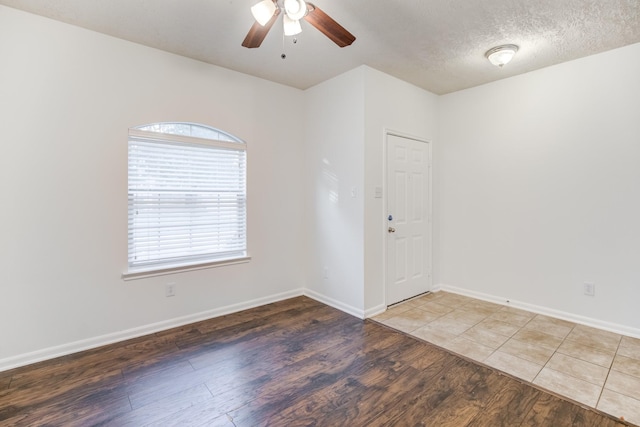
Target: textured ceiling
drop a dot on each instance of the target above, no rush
(437, 45)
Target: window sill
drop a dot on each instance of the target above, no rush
(144, 273)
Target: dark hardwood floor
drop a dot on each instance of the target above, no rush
(292, 363)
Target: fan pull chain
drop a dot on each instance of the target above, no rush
(284, 55)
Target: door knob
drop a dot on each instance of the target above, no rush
(392, 230)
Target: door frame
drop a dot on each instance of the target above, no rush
(385, 170)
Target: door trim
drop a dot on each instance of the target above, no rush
(385, 169)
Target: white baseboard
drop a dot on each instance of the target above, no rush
(571, 317)
(375, 310)
(74, 347)
(335, 303)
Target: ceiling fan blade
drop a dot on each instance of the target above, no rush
(257, 33)
(330, 28)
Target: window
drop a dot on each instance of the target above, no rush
(187, 198)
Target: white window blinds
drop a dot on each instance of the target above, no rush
(187, 200)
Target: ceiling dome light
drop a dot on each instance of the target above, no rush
(501, 55)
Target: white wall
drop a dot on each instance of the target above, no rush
(392, 105)
(67, 98)
(346, 119)
(540, 188)
(334, 167)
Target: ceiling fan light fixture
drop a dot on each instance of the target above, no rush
(501, 55)
(291, 27)
(263, 11)
(295, 9)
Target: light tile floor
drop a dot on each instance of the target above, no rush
(594, 367)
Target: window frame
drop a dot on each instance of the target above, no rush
(195, 262)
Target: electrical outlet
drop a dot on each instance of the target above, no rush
(170, 290)
(325, 273)
(590, 289)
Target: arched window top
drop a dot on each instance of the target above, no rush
(190, 129)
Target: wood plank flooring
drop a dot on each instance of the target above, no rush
(291, 363)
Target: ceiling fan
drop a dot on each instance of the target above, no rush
(266, 13)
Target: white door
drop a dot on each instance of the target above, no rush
(408, 218)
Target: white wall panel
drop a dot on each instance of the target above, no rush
(539, 187)
(67, 98)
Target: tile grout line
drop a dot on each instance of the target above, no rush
(609, 372)
(512, 338)
(554, 353)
